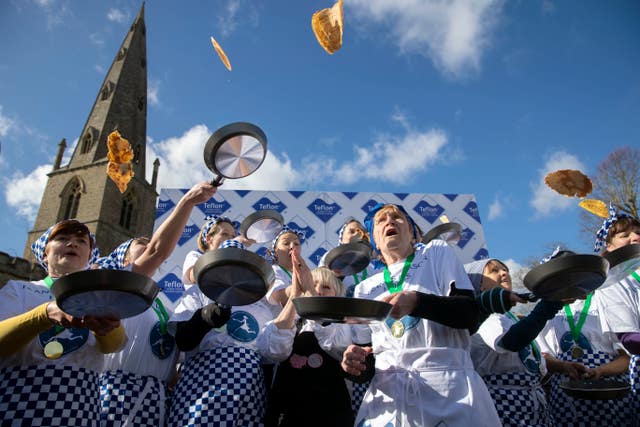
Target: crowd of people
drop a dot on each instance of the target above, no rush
(450, 353)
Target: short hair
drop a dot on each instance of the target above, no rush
(72, 227)
(395, 209)
(324, 275)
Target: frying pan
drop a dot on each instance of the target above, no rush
(114, 293)
(341, 309)
(450, 232)
(233, 276)
(262, 226)
(235, 151)
(349, 258)
(622, 262)
(600, 389)
(567, 277)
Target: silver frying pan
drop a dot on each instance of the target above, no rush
(235, 151)
(450, 232)
(262, 226)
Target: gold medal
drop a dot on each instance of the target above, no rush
(53, 350)
(397, 329)
(577, 352)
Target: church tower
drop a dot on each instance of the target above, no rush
(81, 189)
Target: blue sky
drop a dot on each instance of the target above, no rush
(481, 97)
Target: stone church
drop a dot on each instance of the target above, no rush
(82, 189)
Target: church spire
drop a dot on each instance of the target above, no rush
(82, 189)
(121, 103)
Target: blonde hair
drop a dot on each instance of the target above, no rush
(324, 275)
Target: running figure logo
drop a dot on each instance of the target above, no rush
(71, 339)
(242, 326)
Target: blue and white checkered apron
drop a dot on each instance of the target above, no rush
(130, 399)
(519, 399)
(634, 378)
(570, 412)
(357, 394)
(220, 387)
(49, 396)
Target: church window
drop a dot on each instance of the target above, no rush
(86, 143)
(127, 211)
(71, 200)
(141, 103)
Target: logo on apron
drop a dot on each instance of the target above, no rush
(566, 342)
(71, 339)
(161, 345)
(242, 326)
(529, 360)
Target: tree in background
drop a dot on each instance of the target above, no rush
(617, 181)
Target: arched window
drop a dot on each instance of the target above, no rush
(86, 143)
(127, 211)
(88, 139)
(71, 199)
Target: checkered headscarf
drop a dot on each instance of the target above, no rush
(38, 247)
(601, 235)
(344, 226)
(271, 255)
(115, 260)
(231, 243)
(551, 256)
(209, 222)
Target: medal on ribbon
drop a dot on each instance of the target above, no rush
(53, 350)
(397, 328)
(576, 351)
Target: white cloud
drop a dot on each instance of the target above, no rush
(152, 93)
(513, 265)
(116, 15)
(496, 209)
(453, 34)
(227, 19)
(24, 192)
(6, 124)
(545, 201)
(390, 158)
(54, 12)
(184, 154)
(99, 69)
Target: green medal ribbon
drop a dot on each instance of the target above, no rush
(575, 329)
(162, 314)
(49, 282)
(358, 280)
(286, 271)
(635, 275)
(393, 287)
(534, 346)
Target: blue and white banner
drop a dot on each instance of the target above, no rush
(318, 217)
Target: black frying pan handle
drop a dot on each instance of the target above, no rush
(217, 182)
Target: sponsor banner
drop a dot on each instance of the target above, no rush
(317, 216)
